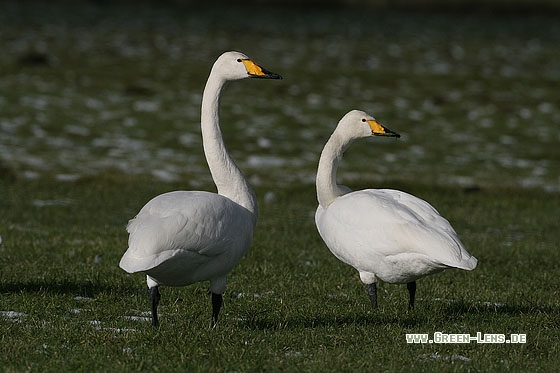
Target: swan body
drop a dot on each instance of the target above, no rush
(383, 233)
(182, 237)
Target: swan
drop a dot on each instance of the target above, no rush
(383, 233)
(182, 237)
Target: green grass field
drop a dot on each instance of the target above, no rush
(290, 305)
(99, 111)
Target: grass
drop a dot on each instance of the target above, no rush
(290, 305)
(99, 110)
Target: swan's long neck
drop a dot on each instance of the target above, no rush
(327, 189)
(228, 178)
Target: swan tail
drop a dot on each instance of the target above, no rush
(469, 263)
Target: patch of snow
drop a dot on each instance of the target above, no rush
(78, 310)
(165, 175)
(14, 316)
(444, 300)
(264, 143)
(269, 197)
(97, 325)
(265, 161)
(51, 202)
(293, 354)
(254, 295)
(67, 177)
(492, 304)
(437, 356)
(146, 106)
(77, 130)
(137, 318)
(82, 298)
(119, 330)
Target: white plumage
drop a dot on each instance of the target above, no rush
(183, 237)
(383, 233)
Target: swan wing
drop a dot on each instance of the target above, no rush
(378, 224)
(195, 226)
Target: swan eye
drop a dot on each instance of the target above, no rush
(364, 120)
(239, 60)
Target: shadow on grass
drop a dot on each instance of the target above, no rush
(84, 288)
(487, 308)
(269, 320)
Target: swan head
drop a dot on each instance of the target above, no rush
(236, 65)
(357, 124)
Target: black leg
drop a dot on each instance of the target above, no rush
(217, 301)
(154, 298)
(411, 286)
(371, 289)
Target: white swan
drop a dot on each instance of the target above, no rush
(183, 237)
(383, 233)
